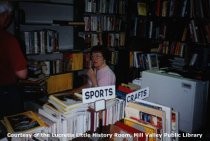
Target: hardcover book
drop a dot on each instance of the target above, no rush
(26, 122)
(66, 102)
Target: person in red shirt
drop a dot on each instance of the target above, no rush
(13, 65)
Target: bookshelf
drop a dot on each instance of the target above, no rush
(47, 37)
(105, 25)
(173, 29)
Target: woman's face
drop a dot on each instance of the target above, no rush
(98, 60)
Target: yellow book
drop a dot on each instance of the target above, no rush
(60, 82)
(131, 60)
(77, 61)
(142, 9)
(26, 122)
(146, 128)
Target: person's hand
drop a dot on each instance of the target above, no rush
(92, 76)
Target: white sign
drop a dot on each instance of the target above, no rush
(139, 94)
(98, 93)
(100, 105)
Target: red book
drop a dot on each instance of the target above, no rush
(121, 128)
(124, 89)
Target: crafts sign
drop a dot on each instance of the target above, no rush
(98, 93)
(139, 94)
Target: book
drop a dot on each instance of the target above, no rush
(132, 86)
(146, 114)
(52, 110)
(132, 133)
(3, 130)
(25, 122)
(51, 126)
(59, 82)
(47, 115)
(193, 59)
(124, 88)
(167, 110)
(121, 95)
(147, 129)
(142, 8)
(66, 101)
(73, 61)
(153, 61)
(146, 108)
(66, 23)
(175, 124)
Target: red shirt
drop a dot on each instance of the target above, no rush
(11, 58)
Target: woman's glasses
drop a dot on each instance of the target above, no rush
(96, 56)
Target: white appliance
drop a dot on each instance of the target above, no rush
(187, 96)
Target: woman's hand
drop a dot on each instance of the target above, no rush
(92, 76)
